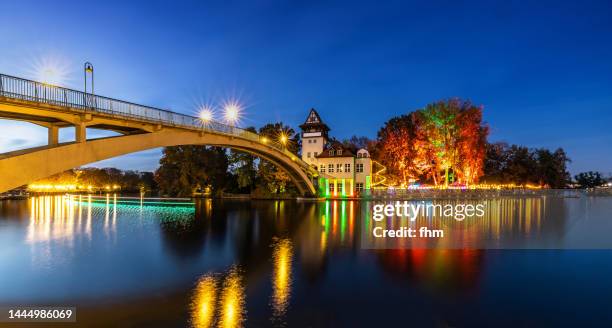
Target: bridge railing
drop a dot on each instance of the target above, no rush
(28, 90)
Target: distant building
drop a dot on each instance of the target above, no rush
(342, 173)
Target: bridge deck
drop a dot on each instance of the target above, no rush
(24, 92)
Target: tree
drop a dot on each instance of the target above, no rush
(450, 136)
(185, 169)
(395, 149)
(552, 170)
(273, 178)
(496, 160)
(471, 144)
(355, 143)
(244, 166)
(589, 179)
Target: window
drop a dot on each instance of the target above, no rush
(340, 187)
(309, 141)
(339, 151)
(314, 141)
(359, 186)
(308, 154)
(331, 187)
(331, 152)
(338, 167)
(359, 167)
(330, 168)
(347, 168)
(315, 154)
(322, 168)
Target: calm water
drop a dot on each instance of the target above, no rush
(297, 264)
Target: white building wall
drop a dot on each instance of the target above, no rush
(312, 145)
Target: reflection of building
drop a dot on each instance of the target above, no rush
(343, 172)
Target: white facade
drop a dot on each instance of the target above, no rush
(312, 145)
(343, 173)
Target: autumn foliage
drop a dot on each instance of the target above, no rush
(442, 143)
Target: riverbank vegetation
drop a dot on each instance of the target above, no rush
(445, 143)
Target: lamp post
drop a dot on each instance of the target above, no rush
(88, 68)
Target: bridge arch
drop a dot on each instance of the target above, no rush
(23, 167)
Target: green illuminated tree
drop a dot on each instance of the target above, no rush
(450, 136)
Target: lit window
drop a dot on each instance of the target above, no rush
(359, 167)
(338, 167)
(339, 151)
(330, 168)
(347, 167)
(359, 186)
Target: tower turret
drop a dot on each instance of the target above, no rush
(314, 137)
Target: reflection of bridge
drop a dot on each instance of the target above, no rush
(141, 128)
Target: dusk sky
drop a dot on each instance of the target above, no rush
(543, 72)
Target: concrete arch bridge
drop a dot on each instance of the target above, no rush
(140, 127)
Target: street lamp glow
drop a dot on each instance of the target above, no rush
(50, 70)
(206, 115)
(232, 112)
(283, 138)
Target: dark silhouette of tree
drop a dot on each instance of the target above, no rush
(185, 169)
(521, 165)
(355, 143)
(272, 178)
(244, 167)
(589, 179)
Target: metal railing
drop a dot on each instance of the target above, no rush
(73, 100)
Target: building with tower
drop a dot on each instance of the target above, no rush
(343, 173)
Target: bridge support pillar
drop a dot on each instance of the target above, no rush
(53, 138)
(80, 132)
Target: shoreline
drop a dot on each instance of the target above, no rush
(448, 194)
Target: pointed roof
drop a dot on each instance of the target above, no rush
(314, 121)
(337, 150)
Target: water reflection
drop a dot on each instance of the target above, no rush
(536, 222)
(282, 258)
(61, 217)
(232, 301)
(203, 302)
(224, 307)
(295, 258)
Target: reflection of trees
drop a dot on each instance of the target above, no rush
(184, 233)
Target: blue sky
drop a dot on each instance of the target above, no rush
(543, 72)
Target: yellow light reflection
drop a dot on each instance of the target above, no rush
(232, 301)
(203, 303)
(281, 279)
